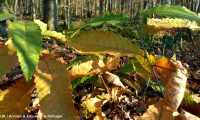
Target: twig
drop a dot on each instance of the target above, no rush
(107, 88)
(153, 70)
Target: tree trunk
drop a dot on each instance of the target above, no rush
(122, 6)
(33, 9)
(48, 14)
(109, 6)
(69, 14)
(101, 7)
(55, 11)
(15, 9)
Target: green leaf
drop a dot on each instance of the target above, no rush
(80, 80)
(48, 33)
(173, 11)
(42, 25)
(110, 18)
(56, 35)
(104, 42)
(127, 68)
(27, 40)
(6, 16)
(188, 99)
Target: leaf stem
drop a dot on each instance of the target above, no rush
(153, 70)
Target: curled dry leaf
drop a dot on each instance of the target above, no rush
(184, 115)
(113, 79)
(174, 92)
(93, 66)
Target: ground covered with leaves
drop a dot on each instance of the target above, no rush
(98, 96)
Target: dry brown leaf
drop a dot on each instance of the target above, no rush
(16, 98)
(54, 90)
(113, 79)
(154, 113)
(174, 92)
(100, 116)
(184, 115)
(8, 58)
(94, 105)
(94, 66)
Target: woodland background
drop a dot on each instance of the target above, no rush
(65, 12)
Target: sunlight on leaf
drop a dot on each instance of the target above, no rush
(93, 66)
(27, 40)
(164, 68)
(90, 104)
(42, 25)
(104, 42)
(54, 89)
(7, 55)
(15, 98)
(52, 34)
(173, 23)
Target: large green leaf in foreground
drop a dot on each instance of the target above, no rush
(175, 11)
(27, 40)
(104, 42)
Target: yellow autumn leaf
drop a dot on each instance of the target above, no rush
(91, 104)
(93, 66)
(149, 30)
(8, 58)
(54, 89)
(164, 68)
(143, 65)
(16, 98)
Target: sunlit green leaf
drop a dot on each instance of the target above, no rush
(27, 40)
(105, 43)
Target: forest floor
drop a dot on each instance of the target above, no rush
(128, 105)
